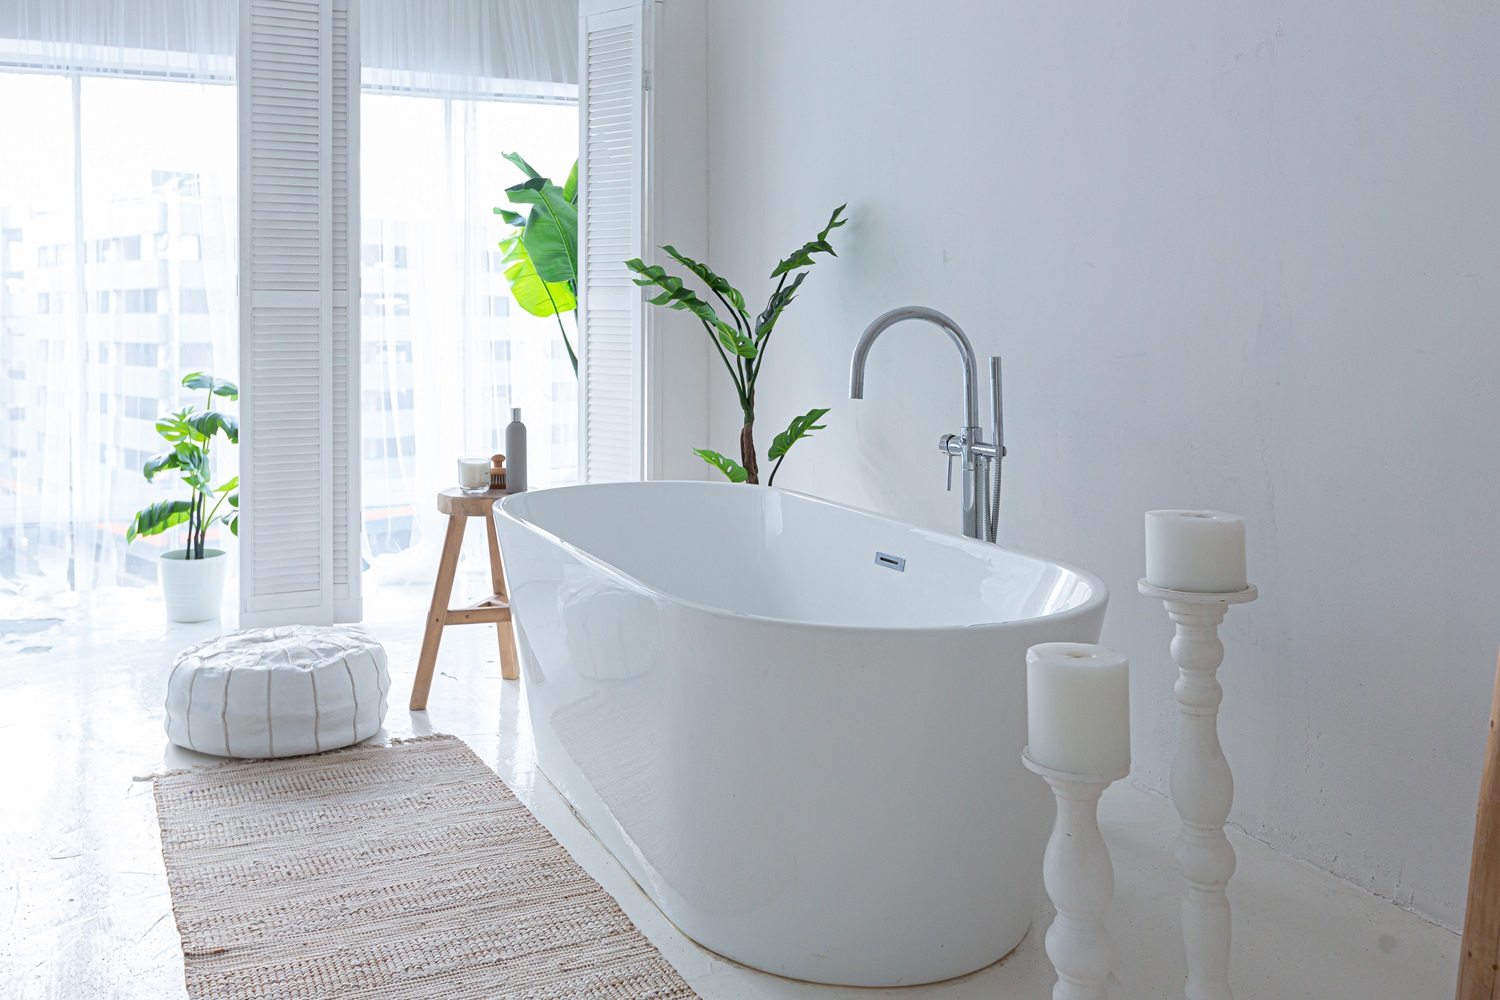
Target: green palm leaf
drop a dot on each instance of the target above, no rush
(158, 518)
(538, 297)
(551, 233)
(803, 257)
(733, 470)
(708, 277)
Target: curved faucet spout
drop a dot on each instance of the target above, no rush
(889, 319)
(981, 501)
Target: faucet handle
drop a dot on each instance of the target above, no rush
(946, 446)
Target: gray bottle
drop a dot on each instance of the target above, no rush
(515, 453)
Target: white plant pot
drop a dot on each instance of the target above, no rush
(194, 588)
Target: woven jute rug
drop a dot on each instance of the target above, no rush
(401, 871)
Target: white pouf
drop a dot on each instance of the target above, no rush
(277, 692)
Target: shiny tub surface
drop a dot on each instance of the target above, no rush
(808, 757)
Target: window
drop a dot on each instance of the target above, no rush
(140, 300)
(139, 355)
(140, 407)
(195, 356)
(155, 181)
(396, 304)
(481, 355)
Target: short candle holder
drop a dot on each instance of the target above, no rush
(1080, 881)
(1202, 786)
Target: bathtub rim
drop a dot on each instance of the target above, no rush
(1098, 591)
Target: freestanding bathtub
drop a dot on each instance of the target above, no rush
(797, 725)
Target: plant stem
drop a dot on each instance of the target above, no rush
(774, 469)
(760, 353)
(747, 452)
(561, 329)
(739, 387)
(747, 441)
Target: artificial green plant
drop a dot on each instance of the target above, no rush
(541, 256)
(742, 342)
(190, 432)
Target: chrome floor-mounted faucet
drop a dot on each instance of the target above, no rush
(980, 460)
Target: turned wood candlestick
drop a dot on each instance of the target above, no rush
(1202, 786)
(1080, 881)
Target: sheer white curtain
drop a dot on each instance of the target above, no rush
(117, 270)
(450, 86)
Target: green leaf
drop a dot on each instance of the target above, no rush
(538, 297)
(673, 292)
(158, 517)
(732, 469)
(229, 487)
(570, 186)
(803, 257)
(234, 500)
(207, 423)
(778, 302)
(734, 341)
(174, 426)
(551, 233)
(799, 428)
(158, 463)
(511, 218)
(709, 278)
(834, 221)
(218, 386)
(233, 520)
(525, 167)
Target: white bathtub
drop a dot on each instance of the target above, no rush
(808, 758)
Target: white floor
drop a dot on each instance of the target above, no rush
(88, 914)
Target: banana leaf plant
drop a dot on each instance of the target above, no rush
(541, 256)
(190, 433)
(741, 342)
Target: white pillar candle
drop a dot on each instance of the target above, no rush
(1199, 551)
(1078, 708)
(474, 474)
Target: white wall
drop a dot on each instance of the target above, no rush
(677, 167)
(1235, 255)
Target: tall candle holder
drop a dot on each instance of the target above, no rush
(1080, 881)
(1202, 786)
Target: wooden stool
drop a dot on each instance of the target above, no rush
(460, 506)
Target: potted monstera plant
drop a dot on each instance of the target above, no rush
(192, 577)
(742, 341)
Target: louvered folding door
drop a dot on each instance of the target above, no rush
(299, 496)
(611, 223)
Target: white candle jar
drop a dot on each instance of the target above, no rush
(474, 475)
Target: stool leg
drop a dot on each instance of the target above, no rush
(510, 667)
(437, 616)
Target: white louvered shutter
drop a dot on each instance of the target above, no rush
(299, 478)
(611, 228)
(347, 514)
